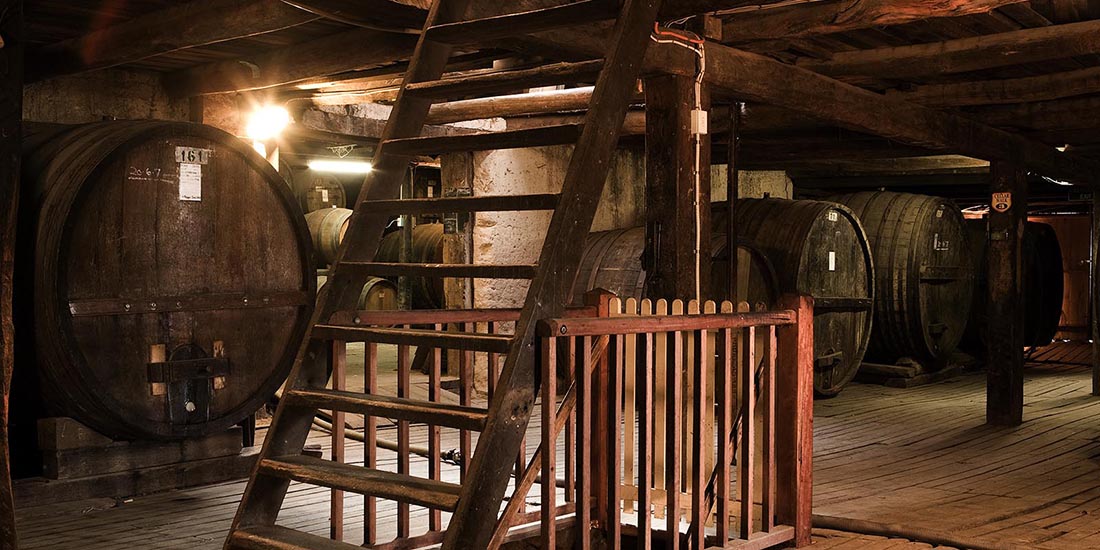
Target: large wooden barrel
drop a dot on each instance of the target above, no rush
(427, 248)
(819, 249)
(327, 228)
(377, 294)
(321, 191)
(923, 274)
(167, 273)
(1043, 285)
(613, 261)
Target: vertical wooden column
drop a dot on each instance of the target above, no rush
(794, 433)
(11, 112)
(1094, 293)
(1005, 352)
(677, 191)
(733, 193)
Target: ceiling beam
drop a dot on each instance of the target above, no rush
(753, 77)
(383, 15)
(183, 26)
(1005, 91)
(1062, 114)
(965, 54)
(347, 51)
(802, 19)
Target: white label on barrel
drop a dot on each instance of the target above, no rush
(832, 261)
(938, 244)
(190, 182)
(833, 215)
(193, 155)
(324, 195)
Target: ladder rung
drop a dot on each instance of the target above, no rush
(480, 31)
(445, 205)
(563, 134)
(396, 408)
(275, 537)
(434, 494)
(507, 81)
(415, 337)
(495, 271)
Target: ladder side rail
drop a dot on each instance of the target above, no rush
(475, 518)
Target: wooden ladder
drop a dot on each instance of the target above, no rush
(476, 502)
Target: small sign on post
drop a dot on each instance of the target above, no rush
(1002, 201)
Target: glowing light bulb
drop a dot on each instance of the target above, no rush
(267, 123)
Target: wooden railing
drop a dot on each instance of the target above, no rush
(623, 436)
(652, 423)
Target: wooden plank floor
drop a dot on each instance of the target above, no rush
(922, 457)
(918, 457)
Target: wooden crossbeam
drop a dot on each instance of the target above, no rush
(347, 51)
(1005, 91)
(805, 92)
(802, 19)
(385, 15)
(182, 26)
(965, 54)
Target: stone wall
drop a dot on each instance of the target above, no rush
(99, 95)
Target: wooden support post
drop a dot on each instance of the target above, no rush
(1094, 294)
(794, 433)
(733, 192)
(678, 186)
(11, 112)
(1005, 353)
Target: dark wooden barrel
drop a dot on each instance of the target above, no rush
(923, 274)
(427, 248)
(167, 273)
(321, 191)
(1043, 285)
(613, 261)
(819, 249)
(377, 294)
(327, 228)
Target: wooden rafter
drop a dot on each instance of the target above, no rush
(347, 51)
(372, 14)
(804, 19)
(1006, 91)
(965, 54)
(179, 27)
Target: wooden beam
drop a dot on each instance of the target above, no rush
(11, 114)
(1060, 114)
(347, 51)
(675, 222)
(1005, 343)
(383, 15)
(535, 103)
(801, 19)
(1005, 91)
(965, 54)
(822, 166)
(358, 128)
(811, 94)
(182, 26)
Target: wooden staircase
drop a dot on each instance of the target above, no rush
(475, 502)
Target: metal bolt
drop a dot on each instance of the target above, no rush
(179, 304)
(563, 329)
(356, 320)
(190, 406)
(126, 307)
(152, 305)
(246, 301)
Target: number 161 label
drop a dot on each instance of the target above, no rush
(193, 155)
